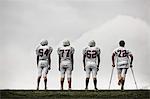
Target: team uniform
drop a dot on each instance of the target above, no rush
(43, 52)
(91, 60)
(65, 60)
(122, 59)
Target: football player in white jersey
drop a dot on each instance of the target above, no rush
(123, 58)
(91, 61)
(43, 52)
(66, 62)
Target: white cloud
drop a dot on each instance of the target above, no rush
(20, 69)
(135, 32)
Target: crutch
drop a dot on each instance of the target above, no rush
(111, 77)
(134, 78)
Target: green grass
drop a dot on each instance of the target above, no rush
(75, 94)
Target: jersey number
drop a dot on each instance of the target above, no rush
(91, 54)
(63, 53)
(42, 52)
(122, 53)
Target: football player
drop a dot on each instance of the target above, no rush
(43, 52)
(91, 61)
(66, 62)
(124, 59)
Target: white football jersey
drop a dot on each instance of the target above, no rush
(91, 54)
(65, 53)
(43, 52)
(122, 56)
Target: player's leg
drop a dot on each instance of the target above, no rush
(94, 74)
(88, 71)
(69, 72)
(124, 72)
(62, 70)
(119, 70)
(39, 76)
(45, 72)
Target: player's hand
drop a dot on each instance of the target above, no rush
(97, 68)
(49, 68)
(113, 65)
(131, 65)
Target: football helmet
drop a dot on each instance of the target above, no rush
(44, 42)
(66, 43)
(92, 43)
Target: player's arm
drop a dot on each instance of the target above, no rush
(98, 56)
(113, 59)
(49, 58)
(37, 59)
(59, 60)
(131, 56)
(72, 60)
(49, 62)
(84, 56)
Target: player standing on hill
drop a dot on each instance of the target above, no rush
(43, 52)
(91, 61)
(124, 59)
(66, 62)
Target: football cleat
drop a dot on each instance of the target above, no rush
(37, 88)
(86, 88)
(122, 87)
(92, 43)
(96, 89)
(69, 89)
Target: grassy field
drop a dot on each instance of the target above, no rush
(78, 94)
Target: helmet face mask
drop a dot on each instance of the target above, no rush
(44, 42)
(66, 43)
(92, 43)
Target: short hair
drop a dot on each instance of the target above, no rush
(122, 43)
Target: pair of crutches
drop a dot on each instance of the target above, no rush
(112, 76)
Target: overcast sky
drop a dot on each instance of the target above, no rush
(23, 23)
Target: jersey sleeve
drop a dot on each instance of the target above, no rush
(98, 50)
(72, 50)
(58, 51)
(129, 52)
(51, 49)
(115, 51)
(84, 51)
(37, 50)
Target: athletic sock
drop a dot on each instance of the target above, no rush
(87, 82)
(122, 87)
(62, 83)
(38, 83)
(45, 81)
(95, 83)
(69, 83)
